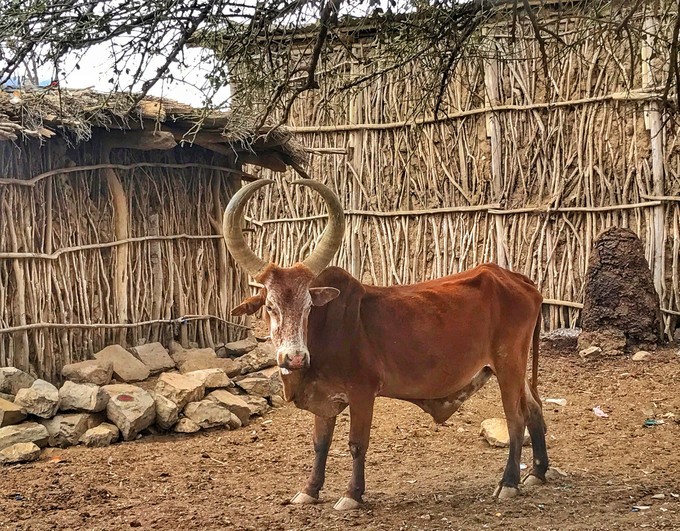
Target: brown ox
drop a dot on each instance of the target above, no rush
(434, 344)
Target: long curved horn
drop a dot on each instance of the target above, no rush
(334, 232)
(233, 233)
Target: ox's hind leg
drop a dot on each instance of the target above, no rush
(323, 436)
(511, 378)
(361, 415)
(534, 416)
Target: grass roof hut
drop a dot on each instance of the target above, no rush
(110, 222)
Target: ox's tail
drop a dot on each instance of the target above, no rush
(534, 358)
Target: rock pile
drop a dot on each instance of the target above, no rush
(122, 394)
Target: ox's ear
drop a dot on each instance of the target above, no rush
(250, 305)
(322, 296)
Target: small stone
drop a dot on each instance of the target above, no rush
(641, 355)
(98, 372)
(233, 403)
(239, 348)
(167, 412)
(658, 496)
(557, 401)
(495, 431)
(130, 408)
(12, 379)
(82, 397)
(10, 413)
(100, 436)
(262, 357)
(209, 414)
(126, 368)
(256, 386)
(258, 406)
(590, 352)
(23, 433)
(205, 358)
(180, 388)
(66, 430)
(185, 425)
(211, 378)
(41, 399)
(8, 397)
(19, 453)
(155, 357)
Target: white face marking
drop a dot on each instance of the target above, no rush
(288, 314)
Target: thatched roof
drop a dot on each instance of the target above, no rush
(75, 114)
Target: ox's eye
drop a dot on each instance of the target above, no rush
(270, 309)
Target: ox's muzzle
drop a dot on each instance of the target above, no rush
(292, 358)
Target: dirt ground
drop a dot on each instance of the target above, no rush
(419, 475)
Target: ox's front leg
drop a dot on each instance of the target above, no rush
(323, 436)
(361, 415)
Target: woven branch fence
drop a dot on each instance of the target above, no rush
(70, 284)
(518, 169)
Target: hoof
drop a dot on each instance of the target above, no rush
(303, 499)
(505, 493)
(532, 481)
(346, 504)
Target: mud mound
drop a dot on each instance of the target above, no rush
(620, 300)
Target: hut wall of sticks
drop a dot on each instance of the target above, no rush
(110, 223)
(523, 165)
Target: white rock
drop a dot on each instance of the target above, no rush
(41, 399)
(258, 406)
(66, 430)
(205, 358)
(98, 372)
(167, 412)
(185, 425)
(180, 388)
(262, 357)
(277, 401)
(233, 403)
(82, 397)
(209, 414)
(100, 436)
(155, 357)
(257, 386)
(12, 379)
(641, 355)
(10, 413)
(211, 378)
(126, 368)
(130, 408)
(590, 352)
(495, 431)
(239, 348)
(19, 453)
(23, 433)
(556, 401)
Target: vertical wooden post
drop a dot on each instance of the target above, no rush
(493, 132)
(654, 123)
(121, 217)
(156, 275)
(356, 140)
(20, 346)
